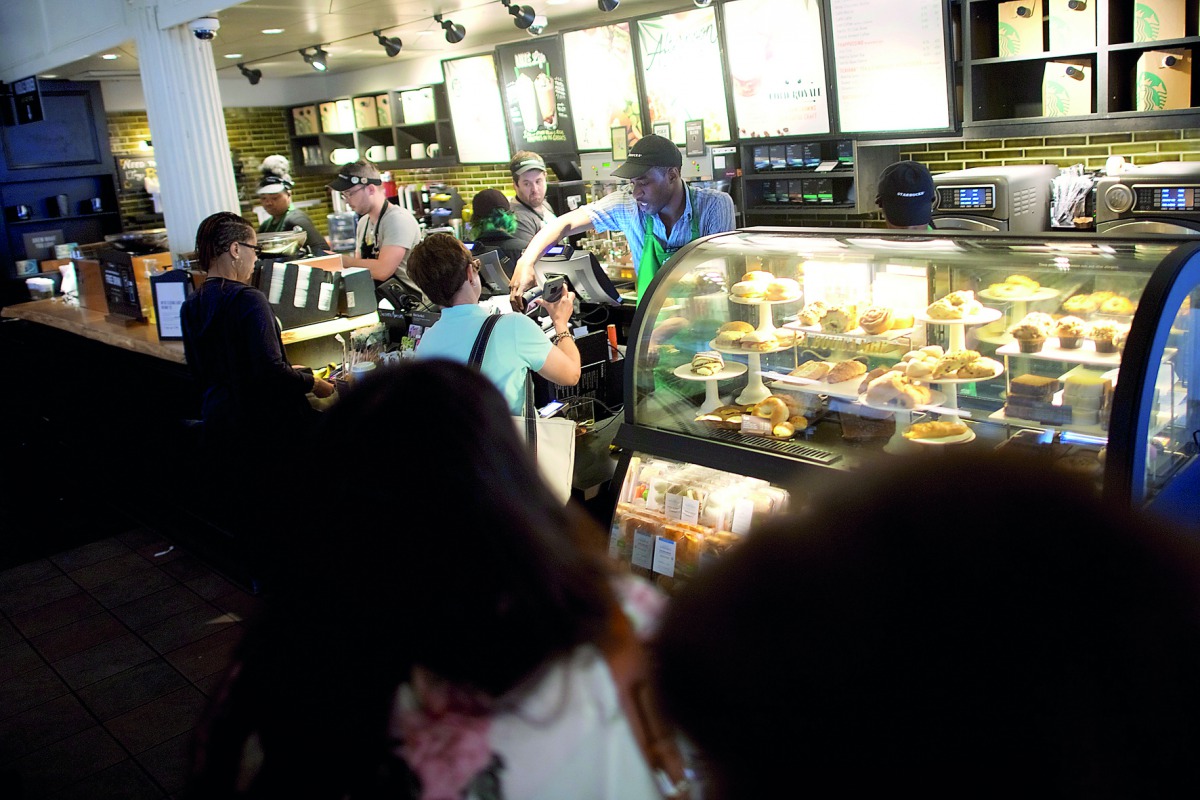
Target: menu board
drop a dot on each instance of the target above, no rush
(534, 78)
(682, 72)
(890, 62)
(600, 68)
(475, 109)
(777, 70)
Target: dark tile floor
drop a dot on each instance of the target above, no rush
(108, 652)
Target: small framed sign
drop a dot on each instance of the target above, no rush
(694, 132)
(620, 143)
(662, 129)
(28, 100)
(170, 289)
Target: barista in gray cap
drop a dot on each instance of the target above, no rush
(530, 206)
(906, 196)
(658, 214)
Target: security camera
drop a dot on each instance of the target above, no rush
(205, 28)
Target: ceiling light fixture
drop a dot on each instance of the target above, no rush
(318, 59)
(392, 45)
(272, 31)
(110, 56)
(607, 5)
(454, 33)
(252, 75)
(703, 3)
(539, 26)
(232, 56)
(523, 16)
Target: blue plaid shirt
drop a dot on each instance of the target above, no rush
(619, 212)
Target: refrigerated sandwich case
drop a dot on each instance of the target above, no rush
(866, 337)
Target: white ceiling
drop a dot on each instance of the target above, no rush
(344, 28)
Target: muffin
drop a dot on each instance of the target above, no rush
(1069, 331)
(1030, 337)
(1104, 336)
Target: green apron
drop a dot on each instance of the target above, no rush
(273, 226)
(654, 255)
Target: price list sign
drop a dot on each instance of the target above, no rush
(535, 93)
(475, 108)
(600, 68)
(890, 62)
(683, 74)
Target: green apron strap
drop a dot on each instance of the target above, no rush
(654, 255)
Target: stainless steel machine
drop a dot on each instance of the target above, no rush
(1157, 198)
(1015, 198)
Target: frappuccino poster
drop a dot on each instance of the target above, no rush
(681, 68)
(476, 110)
(777, 71)
(534, 78)
(600, 68)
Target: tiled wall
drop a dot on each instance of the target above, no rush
(255, 133)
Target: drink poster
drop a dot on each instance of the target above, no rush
(600, 68)
(534, 78)
(777, 71)
(682, 72)
(475, 109)
(890, 60)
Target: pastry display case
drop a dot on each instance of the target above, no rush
(777, 353)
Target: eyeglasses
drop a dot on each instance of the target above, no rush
(477, 264)
(256, 248)
(346, 194)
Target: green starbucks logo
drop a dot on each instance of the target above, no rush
(1152, 92)
(1010, 40)
(1145, 23)
(1058, 104)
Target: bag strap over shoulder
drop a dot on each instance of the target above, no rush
(481, 341)
(626, 658)
(476, 360)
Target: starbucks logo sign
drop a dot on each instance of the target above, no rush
(1145, 23)
(1152, 92)
(1010, 40)
(1058, 104)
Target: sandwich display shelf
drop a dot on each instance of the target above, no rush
(1132, 436)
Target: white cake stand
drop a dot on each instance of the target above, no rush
(957, 338)
(766, 320)
(712, 400)
(756, 391)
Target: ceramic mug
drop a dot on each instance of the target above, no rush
(22, 211)
(390, 152)
(376, 153)
(433, 150)
(417, 150)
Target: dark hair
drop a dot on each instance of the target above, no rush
(490, 212)
(469, 568)
(439, 265)
(216, 233)
(964, 625)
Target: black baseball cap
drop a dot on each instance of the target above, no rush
(906, 194)
(650, 151)
(356, 174)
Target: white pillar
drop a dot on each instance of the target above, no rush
(187, 125)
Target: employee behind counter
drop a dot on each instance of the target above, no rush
(658, 215)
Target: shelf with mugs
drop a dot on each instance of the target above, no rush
(812, 175)
(1081, 65)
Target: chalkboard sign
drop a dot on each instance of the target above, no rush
(120, 285)
(134, 171)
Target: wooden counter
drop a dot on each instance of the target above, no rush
(142, 337)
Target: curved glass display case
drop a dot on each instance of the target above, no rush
(769, 352)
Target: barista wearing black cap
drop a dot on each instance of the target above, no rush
(658, 214)
(906, 196)
(386, 232)
(275, 194)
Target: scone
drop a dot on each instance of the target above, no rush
(811, 314)
(983, 367)
(876, 320)
(845, 370)
(948, 364)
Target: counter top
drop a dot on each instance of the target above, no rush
(142, 337)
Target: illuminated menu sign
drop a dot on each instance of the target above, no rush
(777, 67)
(600, 68)
(890, 63)
(682, 72)
(534, 78)
(476, 110)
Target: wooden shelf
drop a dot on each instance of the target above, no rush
(52, 220)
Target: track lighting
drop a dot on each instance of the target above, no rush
(252, 75)
(523, 16)
(539, 26)
(454, 33)
(607, 5)
(318, 59)
(392, 45)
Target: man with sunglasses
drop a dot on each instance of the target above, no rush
(386, 232)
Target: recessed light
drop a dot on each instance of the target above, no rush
(272, 31)
(110, 56)
(233, 55)
(49, 75)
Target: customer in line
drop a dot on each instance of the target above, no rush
(252, 395)
(275, 194)
(465, 654)
(449, 275)
(962, 626)
(493, 228)
(905, 194)
(386, 233)
(658, 215)
(532, 209)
